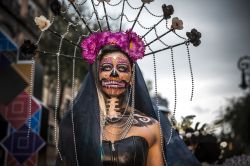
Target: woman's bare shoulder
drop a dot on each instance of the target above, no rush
(148, 126)
(143, 119)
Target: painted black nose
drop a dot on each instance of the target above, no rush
(114, 73)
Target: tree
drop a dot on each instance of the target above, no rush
(236, 116)
(200, 140)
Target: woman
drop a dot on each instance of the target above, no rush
(114, 122)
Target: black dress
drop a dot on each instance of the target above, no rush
(87, 131)
(130, 151)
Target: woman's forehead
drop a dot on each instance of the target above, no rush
(115, 57)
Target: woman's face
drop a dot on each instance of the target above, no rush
(114, 74)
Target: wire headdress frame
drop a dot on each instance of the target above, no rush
(103, 24)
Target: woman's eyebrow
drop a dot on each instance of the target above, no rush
(122, 61)
(106, 60)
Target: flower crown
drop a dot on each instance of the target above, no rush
(128, 42)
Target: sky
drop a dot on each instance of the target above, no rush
(224, 25)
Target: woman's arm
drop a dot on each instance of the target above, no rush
(155, 157)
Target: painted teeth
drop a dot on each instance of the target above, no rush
(113, 84)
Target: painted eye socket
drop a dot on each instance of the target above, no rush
(106, 67)
(122, 68)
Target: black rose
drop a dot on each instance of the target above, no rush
(27, 49)
(167, 11)
(55, 6)
(194, 37)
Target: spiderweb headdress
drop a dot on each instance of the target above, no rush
(153, 39)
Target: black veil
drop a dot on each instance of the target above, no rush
(87, 127)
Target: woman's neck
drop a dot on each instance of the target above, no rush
(114, 106)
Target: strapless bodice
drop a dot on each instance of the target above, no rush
(130, 151)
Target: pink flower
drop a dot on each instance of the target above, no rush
(90, 48)
(129, 42)
(136, 47)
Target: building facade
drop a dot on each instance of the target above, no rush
(16, 24)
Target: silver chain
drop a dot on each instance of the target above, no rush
(157, 105)
(72, 102)
(191, 71)
(159, 38)
(115, 18)
(58, 87)
(135, 8)
(125, 109)
(56, 104)
(127, 18)
(152, 14)
(114, 4)
(89, 18)
(52, 20)
(30, 95)
(101, 18)
(126, 129)
(131, 115)
(175, 97)
(39, 38)
(144, 26)
(72, 23)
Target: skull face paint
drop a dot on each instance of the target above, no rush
(114, 74)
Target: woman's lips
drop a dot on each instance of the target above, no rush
(113, 84)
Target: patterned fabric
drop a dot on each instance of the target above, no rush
(35, 123)
(11, 82)
(22, 147)
(17, 111)
(11, 161)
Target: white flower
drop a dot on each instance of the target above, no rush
(147, 1)
(196, 133)
(223, 144)
(177, 24)
(181, 132)
(188, 135)
(42, 22)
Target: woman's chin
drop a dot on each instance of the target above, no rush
(114, 92)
